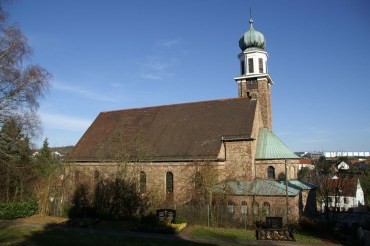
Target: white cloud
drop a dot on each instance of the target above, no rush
(156, 68)
(150, 76)
(83, 92)
(64, 122)
(169, 43)
(116, 85)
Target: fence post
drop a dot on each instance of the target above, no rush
(245, 221)
(208, 215)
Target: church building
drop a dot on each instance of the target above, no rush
(164, 147)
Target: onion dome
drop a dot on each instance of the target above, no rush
(252, 39)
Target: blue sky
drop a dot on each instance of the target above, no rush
(107, 55)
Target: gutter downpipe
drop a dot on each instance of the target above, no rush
(286, 193)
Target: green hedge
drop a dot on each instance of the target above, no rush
(9, 211)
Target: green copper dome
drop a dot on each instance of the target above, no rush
(252, 39)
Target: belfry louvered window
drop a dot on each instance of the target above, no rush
(260, 65)
(242, 67)
(250, 65)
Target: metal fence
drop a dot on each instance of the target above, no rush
(229, 216)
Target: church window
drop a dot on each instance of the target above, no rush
(242, 67)
(266, 208)
(230, 207)
(96, 175)
(142, 182)
(77, 176)
(250, 65)
(260, 65)
(271, 172)
(244, 208)
(169, 182)
(198, 181)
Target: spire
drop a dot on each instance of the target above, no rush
(252, 38)
(250, 18)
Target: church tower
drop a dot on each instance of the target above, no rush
(254, 81)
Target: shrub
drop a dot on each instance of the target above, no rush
(180, 220)
(119, 199)
(10, 211)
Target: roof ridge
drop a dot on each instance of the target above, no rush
(178, 104)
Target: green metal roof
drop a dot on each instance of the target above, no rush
(302, 185)
(252, 39)
(269, 146)
(261, 187)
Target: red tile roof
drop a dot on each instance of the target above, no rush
(171, 132)
(345, 187)
(305, 161)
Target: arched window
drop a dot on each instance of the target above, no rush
(266, 208)
(77, 177)
(292, 172)
(256, 209)
(271, 172)
(96, 176)
(198, 181)
(169, 182)
(244, 208)
(230, 207)
(142, 187)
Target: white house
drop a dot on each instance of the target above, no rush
(344, 194)
(342, 166)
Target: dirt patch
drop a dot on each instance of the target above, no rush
(42, 219)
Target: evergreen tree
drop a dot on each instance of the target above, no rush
(48, 171)
(15, 161)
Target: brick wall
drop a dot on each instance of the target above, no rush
(279, 165)
(183, 177)
(258, 89)
(264, 98)
(277, 206)
(239, 159)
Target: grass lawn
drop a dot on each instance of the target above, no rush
(222, 233)
(240, 234)
(112, 233)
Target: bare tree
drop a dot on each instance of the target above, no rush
(21, 86)
(48, 170)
